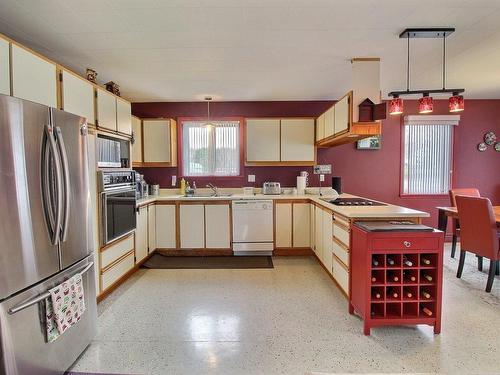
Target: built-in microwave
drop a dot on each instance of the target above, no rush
(112, 153)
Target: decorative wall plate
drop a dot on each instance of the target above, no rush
(482, 146)
(497, 146)
(490, 138)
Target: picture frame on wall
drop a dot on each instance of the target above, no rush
(370, 143)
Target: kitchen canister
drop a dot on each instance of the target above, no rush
(154, 189)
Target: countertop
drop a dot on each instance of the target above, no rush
(356, 212)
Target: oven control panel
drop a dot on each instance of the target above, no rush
(114, 179)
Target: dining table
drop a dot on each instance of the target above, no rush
(445, 212)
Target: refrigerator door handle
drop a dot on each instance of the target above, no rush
(40, 297)
(52, 213)
(66, 182)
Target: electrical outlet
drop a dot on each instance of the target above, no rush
(251, 178)
(322, 177)
(174, 180)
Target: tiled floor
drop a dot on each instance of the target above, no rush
(287, 320)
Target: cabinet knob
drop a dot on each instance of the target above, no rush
(407, 243)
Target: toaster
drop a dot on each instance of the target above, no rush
(271, 188)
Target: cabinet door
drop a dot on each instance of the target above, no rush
(192, 226)
(312, 229)
(329, 122)
(342, 115)
(165, 226)
(4, 67)
(297, 140)
(33, 78)
(320, 127)
(123, 116)
(217, 224)
(141, 234)
(157, 141)
(283, 224)
(318, 227)
(137, 146)
(78, 96)
(106, 109)
(263, 140)
(301, 225)
(151, 228)
(327, 240)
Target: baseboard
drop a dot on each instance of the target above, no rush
(298, 251)
(194, 252)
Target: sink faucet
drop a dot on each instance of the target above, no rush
(214, 189)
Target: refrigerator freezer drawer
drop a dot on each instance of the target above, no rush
(24, 347)
(113, 274)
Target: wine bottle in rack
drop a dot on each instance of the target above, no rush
(390, 261)
(407, 293)
(407, 262)
(426, 261)
(409, 277)
(375, 262)
(392, 277)
(426, 294)
(426, 311)
(392, 293)
(377, 295)
(374, 279)
(427, 277)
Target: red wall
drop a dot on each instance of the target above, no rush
(373, 174)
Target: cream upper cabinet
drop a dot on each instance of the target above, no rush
(297, 140)
(137, 146)
(165, 226)
(33, 78)
(329, 122)
(78, 96)
(106, 110)
(283, 223)
(151, 228)
(157, 141)
(192, 226)
(301, 225)
(217, 226)
(4, 67)
(123, 116)
(327, 240)
(320, 127)
(262, 140)
(141, 234)
(342, 115)
(318, 232)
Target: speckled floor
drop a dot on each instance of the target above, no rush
(287, 320)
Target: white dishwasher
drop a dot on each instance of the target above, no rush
(253, 232)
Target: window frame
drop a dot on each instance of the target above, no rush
(180, 147)
(402, 159)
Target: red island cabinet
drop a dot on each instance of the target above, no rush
(396, 274)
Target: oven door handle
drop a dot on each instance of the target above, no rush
(44, 295)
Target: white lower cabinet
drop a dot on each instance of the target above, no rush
(283, 224)
(114, 273)
(192, 226)
(327, 240)
(151, 228)
(115, 261)
(318, 232)
(341, 275)
(165, 226)
(141, 234)
(301, 218)
(217, 226)
(312, 228)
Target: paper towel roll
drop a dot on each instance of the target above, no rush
(301, 185)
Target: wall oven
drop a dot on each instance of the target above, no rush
(118, 204)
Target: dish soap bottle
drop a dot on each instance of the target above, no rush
(183, 186)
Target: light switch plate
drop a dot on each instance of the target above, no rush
(174, 180)
(251, 178)
(322, 177)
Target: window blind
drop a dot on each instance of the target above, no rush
(427, 158)
(211, 149)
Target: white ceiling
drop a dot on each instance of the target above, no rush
(182, 50)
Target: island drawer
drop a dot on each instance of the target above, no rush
(405, 243)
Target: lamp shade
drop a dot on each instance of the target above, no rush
(396, 106)
(456, 103)
(425, 104)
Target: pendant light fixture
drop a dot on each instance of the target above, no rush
(209, 123)
(426, 102)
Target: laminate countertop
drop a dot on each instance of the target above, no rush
(353, 212)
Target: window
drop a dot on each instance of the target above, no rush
(211, 149)
(427, 161)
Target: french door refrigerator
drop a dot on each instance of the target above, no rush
(45, 233)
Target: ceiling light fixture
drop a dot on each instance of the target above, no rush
(426, 105)
(208, 123)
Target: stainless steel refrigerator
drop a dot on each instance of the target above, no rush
(45, 233)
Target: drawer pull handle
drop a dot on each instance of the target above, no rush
(407, 243)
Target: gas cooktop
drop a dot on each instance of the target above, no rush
(353, 202)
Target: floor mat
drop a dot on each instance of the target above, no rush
(210, 262)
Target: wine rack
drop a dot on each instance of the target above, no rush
(396, 277)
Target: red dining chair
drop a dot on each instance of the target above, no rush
(470, 192)
(478, 233)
